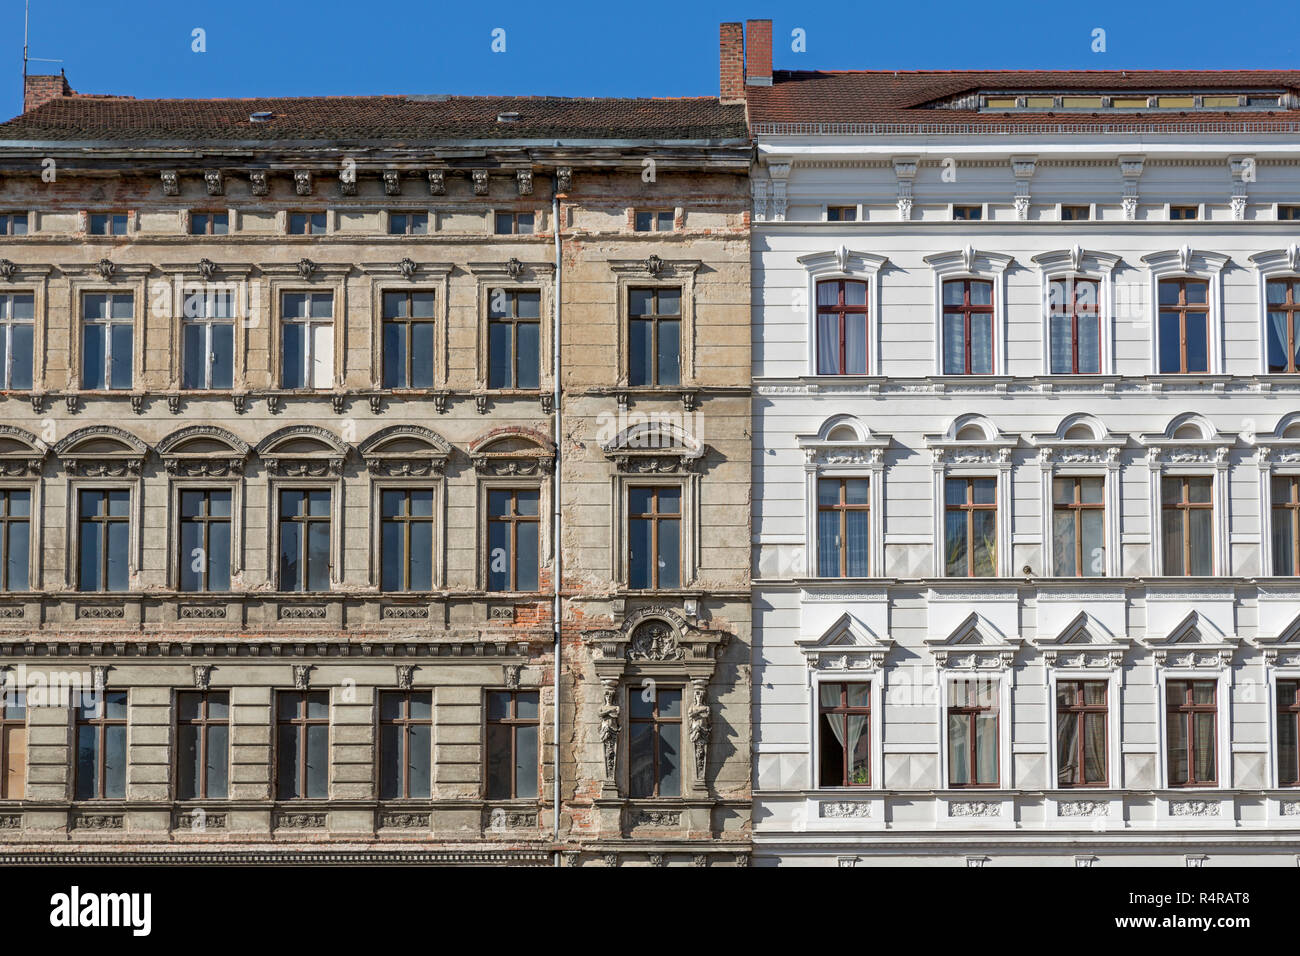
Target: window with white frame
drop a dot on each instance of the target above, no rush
(17, 335)
(307, 340)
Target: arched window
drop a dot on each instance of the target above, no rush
(841, 327)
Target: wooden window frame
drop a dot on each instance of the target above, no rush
(1081, 709)
(1074, 309)
(104, 520)
(842, 311)
(406, 722)
(309, 324)
(835, 213)
(301, 722)
(513, 722)
(1185, 711)
(655, 720)
(307, 221)
(655, 517)
(210, 224)
(514, 215)
(409, 320)
(1291, 308)
(406, 520)
(205, 521)
(655, 215)
(978, 208)
(1184, 507)
(968, 508)
(204, 723)
(970, 712)
(1290, 511)
(1183, 308)
(6, 521)
(101, 724)
(514, 320)
(1290, 712)
(7, 723)
(514, 519)
(654, 318)
(8, 321)
(1075, 508)
(306, 521)
(109, 216)
(844, 711)
(108, 322)
(966, 310)
(842, 508)
(1177, 212)
(8, 218)
(407, 214)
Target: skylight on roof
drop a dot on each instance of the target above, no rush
(1097, 102)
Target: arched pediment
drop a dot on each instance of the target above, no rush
(303, 451)
(203, 451)
(22, 454)
(410, 451)
(843, 440)
(102, 451)
(972, 437)
(1080, 438)
(654, 447)
(972, 428)
(1189, 437)
(512, 450)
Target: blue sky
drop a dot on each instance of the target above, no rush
(629, 48)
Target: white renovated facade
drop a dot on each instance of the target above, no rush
(1025, 503)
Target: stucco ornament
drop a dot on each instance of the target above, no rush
(609, 729)
(700, 723)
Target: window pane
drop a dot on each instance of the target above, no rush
(421, 556)
(641, 771)
(855, 344)
(955, 543)
(1067, 748)
(1288, 769)
(114, 762)
(94, 346)
(670, 358)
(984, 529)
(420, 760)
(954, 293)
(222, 370)
(20, 356)
(120, 363)
(527, 359)
(290, 556)
(188, 769)
(390, 762)
(1170, 346)
(318, 550)
(670, 771)
(828, 543)
(117, 556)
(293, 359)
(499, 763)
(1198, 343)
(529, 304)
(500, 361)
(1172, 542)
(422, 355)
(192, 557)
(959, 770)
(1063, 544)
(526, 762)
(1094, 551)
(1061, 344)
(17, 556)
(194, 356)
(954, 345)
(526, 560)
(1094, 748)
(394, 355)
(640, 351)
(669, 554)
(322, 356)
(981, 344)
(499, 556)
(832, 750)
(317, 761)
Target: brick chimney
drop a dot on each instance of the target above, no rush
(758, 43)
(38, 90)
(731, 62)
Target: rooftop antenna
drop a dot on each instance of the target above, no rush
(27, 12)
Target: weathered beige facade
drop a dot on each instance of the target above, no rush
(458, 640)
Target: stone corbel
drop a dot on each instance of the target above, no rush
(257, 182)
(392, 182)
(1022, 167)
(524, 181)
(780, 173)
(480, 177)
(905, 172)
(758, 189)
(213, 179)
(170, 182)
(1243, 172)
(437, 182)
(302, 182)
(1131, 168)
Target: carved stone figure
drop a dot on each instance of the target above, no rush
(699, 721)
(609, 730)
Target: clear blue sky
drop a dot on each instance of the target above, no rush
(617, 47)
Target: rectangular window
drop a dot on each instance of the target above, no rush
(513, 539)
(208, 338)
(107, 330)
(1191, 716)
(841, 213)
(967, 327)
(1183, 212)
(103, 539)
(514, 338)
(305, 540)
(514, 224)
(15, 539)
(405, 744)
(306, 223)
(844, 735)
(659, 220)
(1078, 527)
(108, 224)
(302, 723)
(1075, 324)
(654, 337)
(1286, 525)
(1288, 213)
(513, 726)
(1081, 733)
(408, 339)
(209, 223)
(13, 744)
(967, 213)
(1288, 733)
(101, 746)
(202, 745)
(970, 527)
(973, 733)
(204, 558)
(1282, 298)
(1184, 326)
(841, 327)
(1075, 213)
(13, 224)
(307, 334)
(17, 332)
(843, 525)
(408, 224)
(406, 532)
(654, 742)
(654, 521)
(1188, 525)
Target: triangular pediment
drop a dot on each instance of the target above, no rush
(975, 630)
(846, 633)
(1194, 630)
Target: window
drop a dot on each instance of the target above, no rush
(13, 744)
(514, 224)
(654, 519)
(1288, 733)
(103, 540)
(967, 327)
(208, 338)
(841, 327)
(1075, 326)
(306, 223)
(406, 530)
(841, 213)
(973, 733)
(1081, 733)
(1075, 213)
(408, 224)
(101, 746)
(107, 331)
(1191, 715)
(13, 223)
(1288, 212)
(1078, 527)
(204, 560)
(202, 745)
(1182, 212)
(1286, 524)
(659, 220)
(1188, 525)
(967, 213)
(405, 744)
(512, 744)
(844, 735)
(654, 337)
(843, 521)
(970, 527)
(513, 539)
(307, 330)
(408, 339)
(108, 224)
(17, 328)
(15, 539)
(302, 723)
(654, 742)
(1283, 301)
(209, 223)
(305, 540)
(1184, 325)
(514, 338)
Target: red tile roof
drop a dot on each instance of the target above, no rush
(862, 101)
(404, 118)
